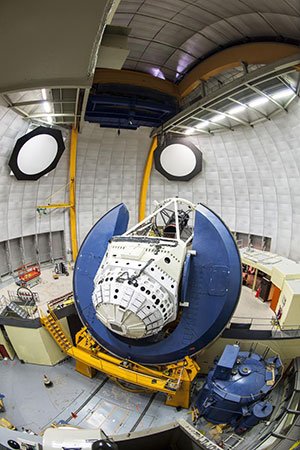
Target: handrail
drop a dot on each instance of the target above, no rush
(58, 322)
(283, 428)
(60, 300)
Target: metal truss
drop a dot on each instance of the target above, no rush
(66, 105)
(263, 82)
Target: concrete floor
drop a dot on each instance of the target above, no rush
(248, 307)
(48, 288)
(254, 310)
(97, 402)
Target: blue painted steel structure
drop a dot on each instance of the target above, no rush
(211, 285)
(259, 411)
(129, 107)
(237, 392)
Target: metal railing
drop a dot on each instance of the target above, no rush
(256, 323)
(293, 331)
(9, 307)
(59, 324)
(287, 419)
(265, 324)
(61, 302)
(3, 304)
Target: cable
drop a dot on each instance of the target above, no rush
(52, 195)
(135, 391)
(133, 278)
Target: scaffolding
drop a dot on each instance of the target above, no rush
(29, 274)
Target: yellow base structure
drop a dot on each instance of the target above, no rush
(6, 424)
(181, 397)
(84, 369)
(172, 379)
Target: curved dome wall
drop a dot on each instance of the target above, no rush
(18, 199)
(109, 171)
(250, 177)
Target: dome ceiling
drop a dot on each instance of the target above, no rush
(168, 38)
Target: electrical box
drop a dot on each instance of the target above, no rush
(288, 307)
(226, 362)
(286, 270)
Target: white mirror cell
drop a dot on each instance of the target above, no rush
(37, 154)
(178, 160)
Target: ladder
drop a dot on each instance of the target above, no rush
(57, 333)
(18, 310)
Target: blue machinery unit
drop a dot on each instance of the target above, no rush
(236, 387)
(211, 284)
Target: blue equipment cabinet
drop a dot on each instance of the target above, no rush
(260, 411)
(235, 387)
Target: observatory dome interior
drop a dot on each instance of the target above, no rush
(150, 216)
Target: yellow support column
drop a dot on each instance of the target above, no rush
(84, 369)
(146, 176)
(72, 191)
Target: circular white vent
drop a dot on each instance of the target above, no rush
(178, 160)
(37, 154)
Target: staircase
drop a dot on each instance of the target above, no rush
(57, 333)
(18, 310)
(4, 302)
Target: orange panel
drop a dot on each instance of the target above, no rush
(135, 78)
(252, 53)
(275, 298)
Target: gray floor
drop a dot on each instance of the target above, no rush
(97, 402)
(48, 288)
(248, 308)
(254, 310)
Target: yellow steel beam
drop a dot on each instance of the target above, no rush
(54, 205)
(145, 181)
(173, 379)
(70, 205)
(84, 341)
(72, 191)
(136, 78)
(252, 53)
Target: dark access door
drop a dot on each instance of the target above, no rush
(3, 351)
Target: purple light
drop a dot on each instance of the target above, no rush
(155, 71)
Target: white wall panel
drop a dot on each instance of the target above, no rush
(19, 199)
(109, 171)
(251, 177)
